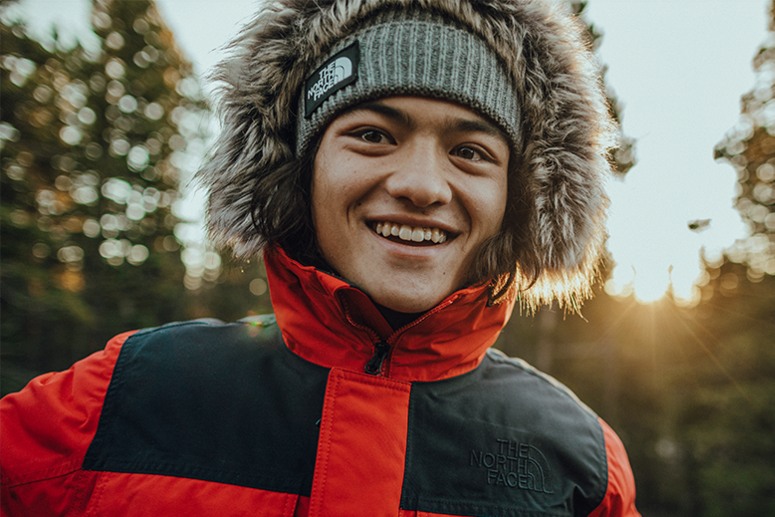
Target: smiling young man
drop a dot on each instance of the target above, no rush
(409, 170)
(392, 173)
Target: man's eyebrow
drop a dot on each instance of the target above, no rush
(476, 126)
(394, 114)
(458, 125)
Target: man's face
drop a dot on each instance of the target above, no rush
(431, 171)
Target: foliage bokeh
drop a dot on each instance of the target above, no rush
(95, 143)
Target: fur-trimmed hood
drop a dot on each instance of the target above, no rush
(566, 128)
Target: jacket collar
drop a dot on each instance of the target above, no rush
(329, 322)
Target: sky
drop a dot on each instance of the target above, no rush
(679, 68)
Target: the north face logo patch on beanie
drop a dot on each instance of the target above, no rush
(337, 72)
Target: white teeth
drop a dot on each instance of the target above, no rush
(408, 233)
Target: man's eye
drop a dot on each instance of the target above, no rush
(468, 153)
(374, 137)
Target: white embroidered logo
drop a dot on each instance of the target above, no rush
(336, 72)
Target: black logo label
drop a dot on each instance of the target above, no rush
(514, 465)
(336, 73)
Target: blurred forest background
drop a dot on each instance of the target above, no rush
(94, 145)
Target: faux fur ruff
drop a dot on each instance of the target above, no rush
(566, 126)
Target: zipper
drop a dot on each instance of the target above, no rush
(425, 316)
(381, 347)
(381, 350)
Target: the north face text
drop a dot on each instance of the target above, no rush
(514, 465)
(336, 73)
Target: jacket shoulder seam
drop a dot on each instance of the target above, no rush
(206, 322)
(499, 357)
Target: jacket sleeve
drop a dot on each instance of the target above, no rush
(45, 431)
(619, 499)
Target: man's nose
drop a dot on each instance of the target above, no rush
(420, 176)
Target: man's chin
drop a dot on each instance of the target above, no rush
(410, 302)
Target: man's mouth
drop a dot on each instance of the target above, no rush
(410, 234)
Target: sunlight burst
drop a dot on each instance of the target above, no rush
(656, 250)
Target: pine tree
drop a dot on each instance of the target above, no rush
(750, 147)
(726, 421)
(93, 142)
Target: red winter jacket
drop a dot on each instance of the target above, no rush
(331, 414)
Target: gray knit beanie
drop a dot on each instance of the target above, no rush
(407, 53)
(525, 64)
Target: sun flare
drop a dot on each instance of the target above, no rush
(654, 248)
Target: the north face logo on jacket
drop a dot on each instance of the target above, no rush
(514, 465)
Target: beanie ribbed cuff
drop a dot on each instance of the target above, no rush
(418, 53)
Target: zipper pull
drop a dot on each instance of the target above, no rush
(374, 366)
